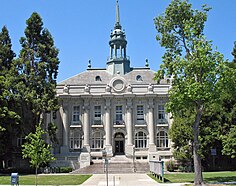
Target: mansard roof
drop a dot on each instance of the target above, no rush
(102, 76)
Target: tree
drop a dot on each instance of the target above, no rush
(234, 52)
(8, 107)
(37, 150)
(38, 63)
(197, 70)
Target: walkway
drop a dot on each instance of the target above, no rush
(123, 180)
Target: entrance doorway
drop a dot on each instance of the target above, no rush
(119, 143)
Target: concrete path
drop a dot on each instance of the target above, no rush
(123, 180)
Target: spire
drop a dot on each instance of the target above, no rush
(117, 25)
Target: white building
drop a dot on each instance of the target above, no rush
(118, 108)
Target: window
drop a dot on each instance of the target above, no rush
(139, 78)
(140, 140)
(140, 112)
(97, 141)
(97, 112)
(119, 115)
(20, 141)
(76, 114)
(162, 139)
(98, 78)
(75, 139)
(161, 114)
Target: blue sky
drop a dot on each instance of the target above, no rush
(81, 28)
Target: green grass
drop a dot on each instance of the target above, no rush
(47, 179)
(209, 177)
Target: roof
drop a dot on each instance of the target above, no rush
(102, 76)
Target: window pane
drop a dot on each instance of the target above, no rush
(119, 113)
(76, 114)
(140, 112)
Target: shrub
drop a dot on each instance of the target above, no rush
(65, 169)
(170, 165)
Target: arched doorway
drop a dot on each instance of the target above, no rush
(119, 143)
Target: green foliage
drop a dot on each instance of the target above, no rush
(234, 52)
(198, 71)
(170, 165)
(37, 150)
(229, 143)
(52, 129)
(65, 169)
(39, 64)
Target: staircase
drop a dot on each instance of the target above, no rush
(117, 164)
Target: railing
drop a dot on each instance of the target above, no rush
(157, 169)
(119, 122)
(162, 121)
(119, 57)
(97, 122)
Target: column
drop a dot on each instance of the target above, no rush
(129, 126)
(151, 130)
(108, 122)
(121, 54)
(86, 126)
(111, 52)
(65, 129)
(108, 129)
(65, 126)
(115, 51)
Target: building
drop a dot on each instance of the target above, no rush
(118, 108)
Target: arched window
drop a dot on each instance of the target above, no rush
(98, 78)
(75, 139)
(139, 78)
(140, 140)
(97, 140)
(162, 139)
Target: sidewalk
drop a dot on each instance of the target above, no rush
(124, 180)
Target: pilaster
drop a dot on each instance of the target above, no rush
(86, 126)
(151, 131)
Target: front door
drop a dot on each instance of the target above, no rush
(119, 147)
(119, 143)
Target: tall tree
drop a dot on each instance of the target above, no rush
(195, 67)
(8, 110)
(38, 63)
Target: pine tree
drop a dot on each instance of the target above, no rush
(38, 63)
(8, 115)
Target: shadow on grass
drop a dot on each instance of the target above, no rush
(221, 179)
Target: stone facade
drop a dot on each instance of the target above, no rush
(119, 109)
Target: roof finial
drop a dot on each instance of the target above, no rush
(146, 64)
(89, 63)
(117, 25)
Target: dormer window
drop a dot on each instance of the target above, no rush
(98, 78)
(139, 78)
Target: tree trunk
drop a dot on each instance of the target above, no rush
(36, 176)
(198, 178)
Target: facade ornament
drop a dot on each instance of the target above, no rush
(87, 88)
(108, 88)
(129, 88)
(150, 88)
(66, 89)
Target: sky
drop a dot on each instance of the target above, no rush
(81, 28)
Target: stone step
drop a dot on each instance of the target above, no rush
(128, 167)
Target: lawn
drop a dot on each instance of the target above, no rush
(209, 177)
(47, 179)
